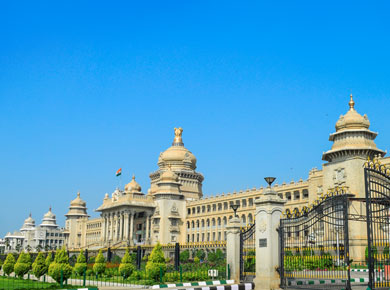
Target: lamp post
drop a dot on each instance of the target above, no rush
(234, 208)
(269, 180)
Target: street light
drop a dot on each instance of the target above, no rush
(235, 207)
(269, 180)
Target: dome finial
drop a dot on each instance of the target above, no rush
(178, 141)
(78, 193)
(30, 214)
(351, 104)
(133, 178)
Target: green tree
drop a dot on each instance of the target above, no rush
(100, 265)
(156, 262)
(81, 264)
(184, 256)
(126, 268)
(48, 260)
(200, 254)
(9, 264)
(60, 264)
(39, 266)
(23, 264)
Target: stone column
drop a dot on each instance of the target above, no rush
(112, 227)
(147, 228)
(116, 226)
(233, 248)
(131, 228)
(269, 209)
(121, 226)
(126, 226)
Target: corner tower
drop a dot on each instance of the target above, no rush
(183, 163)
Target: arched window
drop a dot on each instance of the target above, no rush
(219, 221)
(202, 223)
(250, 218)
(188, 225)
(224, 221)
(208, 223)
(197, 224)
(193, 224)
(213, 222)
(243, 220)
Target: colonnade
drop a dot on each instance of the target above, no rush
(118, 226)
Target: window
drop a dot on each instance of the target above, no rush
(288, 196)
(193, 210)
(203, 209)
(244, 203)
(250, 202)
(214, 207)
(189, 211)
(305, 193)
(225, 205)
(198, 209)
(296, 195)
(208, 208)
(219, 206)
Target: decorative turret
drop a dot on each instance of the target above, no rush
(49, 220)
(78, 208)
(29, 224)
(352, 137)
(133, 186)
(181, 162)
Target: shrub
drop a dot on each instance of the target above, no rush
(23, 264)
(172, 277)
(39, 266)
(60, 263)
(100, 265)
(9, 264)
(200, 254)
(184, 256)
(156, 262)
(1, 263)
(81, 264)
(126, 267)
(48, 261)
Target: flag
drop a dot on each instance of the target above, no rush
(118, 172)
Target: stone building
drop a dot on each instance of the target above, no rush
(174, 209)
(47, 236)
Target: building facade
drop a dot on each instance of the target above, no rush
(174, 209)
(47, 236)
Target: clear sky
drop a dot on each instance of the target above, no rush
(87, 87)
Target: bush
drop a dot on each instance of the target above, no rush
(100, 266)
(1, 263)
(23, 264)
(60, 264)
(156, 263)
(48, 261)
(39, 266)
(81, 264)
(9, 264)
(200, 254)
(126, 268)
(172, 277)
(184, 256)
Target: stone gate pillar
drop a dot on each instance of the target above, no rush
(233, 248)
(269, 209)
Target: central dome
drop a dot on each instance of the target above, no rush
(352, 119)
(177, 153)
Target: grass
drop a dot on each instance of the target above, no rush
(11, 283)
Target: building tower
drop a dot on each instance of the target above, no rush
(183, 163)
(73, 226)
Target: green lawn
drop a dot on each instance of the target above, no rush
(24, 284)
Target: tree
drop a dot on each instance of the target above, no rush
(100, 265)
(126, 268)
(48, 261)
(184, 256)
(28, 248)
(9, 264)
(156, 262)
(47, 248)
(38, 248)
(39, 266)
(18, 247)
(200, 254)
(23, 264)
(60, 264)
(81, 264)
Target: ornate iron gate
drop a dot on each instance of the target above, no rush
(377, 182)
(314, 244)
(247, 254)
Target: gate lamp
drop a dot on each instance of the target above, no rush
(269, 180)
(235, 207)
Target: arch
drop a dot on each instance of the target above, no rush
(197, 224)
(213, 222)
(208, 223)
(224, 220)
(250, 218)
(202, 223)
(188, 225)
(219, 221)
(193, 224)
(243, 219)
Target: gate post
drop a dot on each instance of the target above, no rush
(233, 248)
(269, 209)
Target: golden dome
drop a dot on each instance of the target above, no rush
(78, 201)
(133, 186)
(352, 119)
(177, 153)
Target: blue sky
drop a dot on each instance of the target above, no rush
(87, 88)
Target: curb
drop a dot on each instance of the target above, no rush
(95, 288)
(330, 281)
(189, 284)
(242, 286)
(364, 270)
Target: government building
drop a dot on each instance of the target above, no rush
(174, 209)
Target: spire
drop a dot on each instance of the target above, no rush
(78, 193)
(351, 104)
(30, 214)
(133, 178)
(178, 141)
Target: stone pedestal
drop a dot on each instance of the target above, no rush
(269, 209)
(233, 248)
